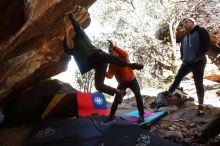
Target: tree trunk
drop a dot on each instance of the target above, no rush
(173, 42)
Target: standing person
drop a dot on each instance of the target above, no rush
(88, 57)
(126, 79)
(193, 49)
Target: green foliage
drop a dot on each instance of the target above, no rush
(85, 82)
(173, 69)
(168, 79)
(132, 24)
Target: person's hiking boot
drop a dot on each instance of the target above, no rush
(136, 66)
(109, 120)
(140, 120)
(167, 93)
(120, 94)
(200, 111)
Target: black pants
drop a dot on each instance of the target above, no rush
(134, 86)
(198, 71)
(100, 62)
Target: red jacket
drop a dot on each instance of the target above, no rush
(122, 74)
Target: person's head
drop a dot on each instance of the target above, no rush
(189, 24)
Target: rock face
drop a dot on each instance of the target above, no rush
(31, 40)
(29, 104)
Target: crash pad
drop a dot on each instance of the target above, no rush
(149, 116)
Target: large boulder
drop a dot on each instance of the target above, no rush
(28, 105)
(31, 40)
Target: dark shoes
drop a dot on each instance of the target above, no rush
(167, 93)
(109, 120)
(136, 66)
(140, 120)
(200, 111)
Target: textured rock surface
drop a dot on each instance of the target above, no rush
(28, 105)
(31, 40)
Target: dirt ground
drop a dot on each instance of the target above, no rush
(184, 121)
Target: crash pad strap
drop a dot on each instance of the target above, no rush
(56, 99)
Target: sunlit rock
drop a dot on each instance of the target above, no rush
(31, 40)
